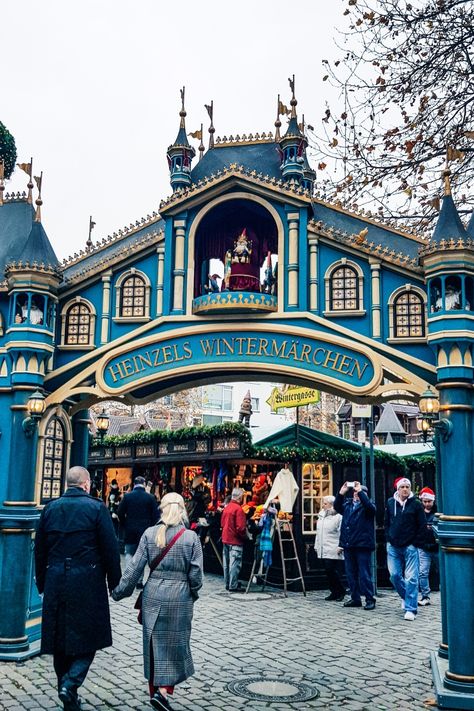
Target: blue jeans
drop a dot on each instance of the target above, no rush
(403, 566)
(232, 559)
(130, 550)
(359, 577)
(426, 559)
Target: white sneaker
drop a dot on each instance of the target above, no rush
(410, 616)
(425, 601)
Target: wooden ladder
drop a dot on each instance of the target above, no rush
(288, 554)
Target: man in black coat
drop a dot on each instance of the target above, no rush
(76, 551)
(358, 541)
(137, 511)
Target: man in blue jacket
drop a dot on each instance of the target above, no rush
(358, 541)
(405, 531)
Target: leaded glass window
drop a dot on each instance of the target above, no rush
(408, 312)
(78, 325)
(53, 461)
(132, 297)
(344, 289)
(317, 483)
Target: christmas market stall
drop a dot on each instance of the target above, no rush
(205, 463)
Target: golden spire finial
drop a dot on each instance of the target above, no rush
(293, 101)
(201, 145)
(212, 130)
(89, 239)
(2, 178)
(182, 113)
(447, 182)
(28, 169)
(39, 202)
(278, 122)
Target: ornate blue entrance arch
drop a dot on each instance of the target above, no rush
(307, 292)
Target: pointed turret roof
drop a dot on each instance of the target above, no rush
(38, 248)
(389, 422)
(22, 238)
(449, 225)
(470, 227)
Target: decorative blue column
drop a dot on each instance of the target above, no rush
(81, 437)
(448, 260)
(443, 645)
(455, 530)
(18, 516)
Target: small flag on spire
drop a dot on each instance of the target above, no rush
(282, 109)
(209, 109)
(196, 134)
(39, 181)
(26, 167)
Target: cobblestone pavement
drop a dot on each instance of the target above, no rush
(356, 659)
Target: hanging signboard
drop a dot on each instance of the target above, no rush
(361, 410)
(292, 397)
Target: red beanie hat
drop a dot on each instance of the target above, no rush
(427, 493)
(396, 481)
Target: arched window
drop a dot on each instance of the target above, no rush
(78, 325)
(132, 296)
(344, 287)
(52, 477)
(344, 292)
(407, 313)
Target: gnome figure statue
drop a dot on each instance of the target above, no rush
(245, 410)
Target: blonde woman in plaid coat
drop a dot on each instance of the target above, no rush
(168, 599)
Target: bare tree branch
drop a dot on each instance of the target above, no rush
(406, 85)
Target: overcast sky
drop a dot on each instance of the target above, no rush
(90, 89)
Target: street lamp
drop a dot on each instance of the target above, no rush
(35, 407)
(102, 424)
(429, 408)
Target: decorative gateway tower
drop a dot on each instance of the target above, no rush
(31, 281)
(449, 268)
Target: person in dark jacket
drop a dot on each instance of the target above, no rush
(429, 550)
(76, 551)
(358, 541)
(113, 501)
(234, 535)
(137, 511)
(405, 530)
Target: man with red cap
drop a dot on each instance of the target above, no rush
(429, 550)
(405, 528)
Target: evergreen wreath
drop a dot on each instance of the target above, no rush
(7, 150)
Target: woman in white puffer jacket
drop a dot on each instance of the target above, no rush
(327, 548)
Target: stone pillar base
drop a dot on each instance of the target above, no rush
(19, 653)
(447, 698)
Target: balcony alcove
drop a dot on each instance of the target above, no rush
(236, 260)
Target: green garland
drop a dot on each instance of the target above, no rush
(328, 454)
(425, 464)
(7, 150)
(383, 460)
(185, 433)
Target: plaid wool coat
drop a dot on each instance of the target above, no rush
(167, 605)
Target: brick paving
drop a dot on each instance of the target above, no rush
(357, 660)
